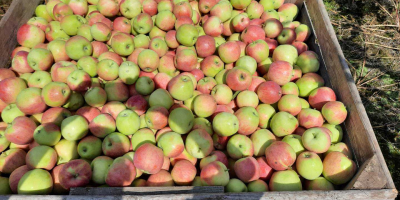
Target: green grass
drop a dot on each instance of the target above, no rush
(368, 32)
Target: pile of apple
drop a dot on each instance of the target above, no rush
(162, 93)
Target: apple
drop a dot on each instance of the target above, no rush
(181, 120)
(78, 47)
(272, 27)
(316, 140)
(239, 146)
(214, 174)
(334, 112)
(280, 155)
(206, 84)
(280, 72)
(141, 137)
(4, 143)
(319, 183)
(108, 8)
(203, 123)
(295, 142)
(79, 7)
(235, 185)
(286, 53)
(248, 120)
(225, 124)
(100, 166)
(122, 44)
(108, 69)
(98, 48)
(41, 11)
(338, 169)
(308, 61)
(41, 157)
(283, 123)
(252, 33)
(287, 180)
(269, 92)
(71, 23)
(89, 147)
(290, 103)
(79, 81)
(309, 82)
(10, 88)
(75, 173)
(66, 151)
(183, 172)
(222, 94)
(11, 160)
(336, 132)
(29, 101)
(39, 79)
(142, 23)
(61, 70)
(149, 158)
(19, 64)
(290, 88)
(265, 112)
(115, 145)
(30, 35)
(160, 179)
(47, 134)
(115, 178)
(116, 90)
(36, 181)
(127, 122)
(205, 46)
(340, 147)
(238, 79)
(183, 156)
(15, 176)
(261, 139)
(130, 8)
(55, 115)
(309, 118)
(309, 165)
(55, 32)
(214, 156)
(206, 5)
(320, 96)
(199, 143)
(21, 130)
(229, 52)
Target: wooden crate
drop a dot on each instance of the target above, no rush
(372, 180)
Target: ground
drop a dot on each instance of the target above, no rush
(369, 34)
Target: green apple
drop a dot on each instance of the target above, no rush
(74, 128)
(319, 183)
(66, 151)
(144, 85)
(240, 146)
(261, 139)
(181, 87)
(248, 63)
(129, 72)
(286, 53)
(88, 64)
(78, 47)
(89, 147)
(225, 124)
(257, 186)
(338, 168)
(180, 120)
(11, 112)
(309, 165)
(199, 143)
(128, 122)
(266, 112)
(235, 185)
(171, 143)
(100, 167)
(84, 31)
(96, 97)
(5, 186)
(287, 180)
(142, 136)
(70, 24)
(316, 140)
(41, 157)
(336, 132)
(47, 134)
(39, 79)
(283, 123)
(295, 142)
(187, 35)
(36, 181)
(203, 123)
(4, 143)
(161, 97)
(41, 11)
(141, 41)
(130, 8)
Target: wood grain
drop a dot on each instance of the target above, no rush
(357, 124)
(18, 14)
(369, 172)
(145, 190)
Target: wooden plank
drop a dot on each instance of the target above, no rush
(145, 190)
(301, 195)
(18, 14)
(369, 172)
(357, 124)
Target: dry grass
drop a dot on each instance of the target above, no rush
(369, 34)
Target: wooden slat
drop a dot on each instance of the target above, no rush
(145, 190)
(369, 172)
(19, 13)
(359, 129)
(301, 195)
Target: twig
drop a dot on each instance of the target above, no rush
(372, 79)
(382, 45)
(362, 71)
(381, 25)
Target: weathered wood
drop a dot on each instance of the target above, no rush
(18, 14)
(145, 190)
(369, 172)
(357, 125)
(301, 195)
